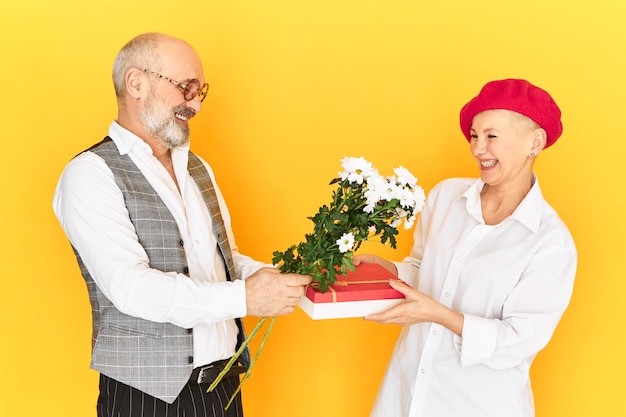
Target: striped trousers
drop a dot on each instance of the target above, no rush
(120, 400)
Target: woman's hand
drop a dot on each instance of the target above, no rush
(375, 259)
(418, 308)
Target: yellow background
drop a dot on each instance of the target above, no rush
(295, 86)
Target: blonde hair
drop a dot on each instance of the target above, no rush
(523, 124)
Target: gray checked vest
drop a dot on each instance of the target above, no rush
(156, 358)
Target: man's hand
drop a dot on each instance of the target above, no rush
(271, 293)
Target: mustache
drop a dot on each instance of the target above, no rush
(185, 111)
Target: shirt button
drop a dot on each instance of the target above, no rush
(447, 294)
(423, 370)
(435, 332)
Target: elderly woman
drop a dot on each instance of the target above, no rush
(490, 273)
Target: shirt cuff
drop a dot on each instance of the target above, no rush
(407, 272)
(227, 300)
(479, 340)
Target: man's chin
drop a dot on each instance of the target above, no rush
(175, 144)
(173, 141)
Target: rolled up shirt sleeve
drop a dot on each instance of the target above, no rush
(530, 314)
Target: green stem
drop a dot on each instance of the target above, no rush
(232, 360)
(258, 353)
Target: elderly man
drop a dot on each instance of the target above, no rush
(152, 236)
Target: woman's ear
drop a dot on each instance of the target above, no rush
(539, 138)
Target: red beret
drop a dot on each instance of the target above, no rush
(519, 96)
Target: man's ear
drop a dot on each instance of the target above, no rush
(136, 83)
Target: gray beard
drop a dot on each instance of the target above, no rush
(160, 123)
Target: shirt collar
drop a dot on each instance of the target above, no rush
(125, 140)
(528, 212)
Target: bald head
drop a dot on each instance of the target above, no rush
(152, 51)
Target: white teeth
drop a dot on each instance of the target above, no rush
(181, 117)
(488, 164)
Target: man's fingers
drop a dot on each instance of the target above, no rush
(296, 280)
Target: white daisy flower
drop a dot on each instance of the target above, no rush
(409, 222)
(420, 198)
(392, 190)
(405, 177)
(356, 169)
(345, 242)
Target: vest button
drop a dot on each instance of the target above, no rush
(190, 359)
(190, 331)
(186, 271)
(181, 243)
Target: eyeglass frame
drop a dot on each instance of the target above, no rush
(201, 91)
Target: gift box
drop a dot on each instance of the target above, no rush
(357, 294)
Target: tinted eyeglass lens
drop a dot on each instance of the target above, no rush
(203, 92)
(192, 89)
